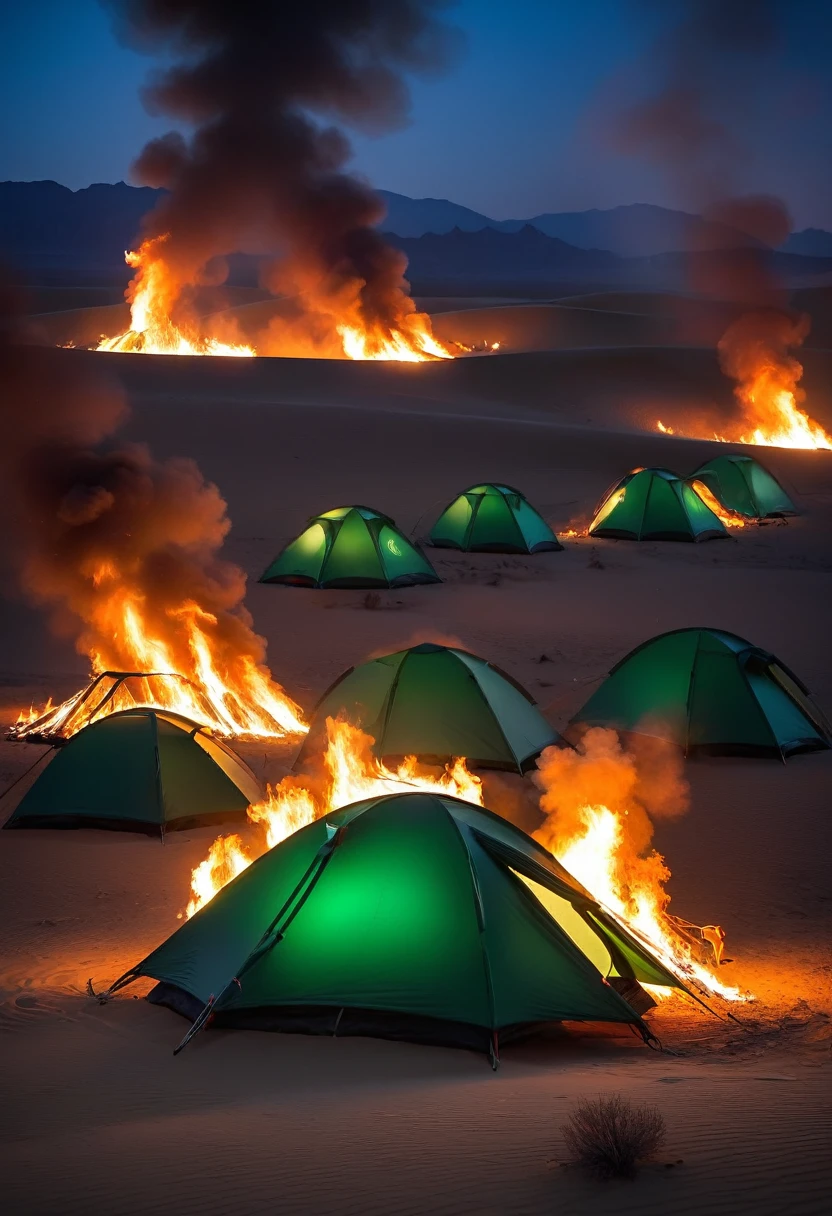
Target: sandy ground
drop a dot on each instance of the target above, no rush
(99, 1117)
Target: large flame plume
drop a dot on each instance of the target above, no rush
(122, 549)
(350, 773)
(259, 175)
(598, 801)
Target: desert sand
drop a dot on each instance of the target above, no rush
(100, 1117)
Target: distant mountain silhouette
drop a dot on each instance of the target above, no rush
(416, 216)
(811, 243)
(56, 234)
(525, 255)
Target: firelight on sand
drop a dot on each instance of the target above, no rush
(597, 853)
(155, 292)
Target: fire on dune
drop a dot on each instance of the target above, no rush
(156, 296)
(593, 842)
(756, 352)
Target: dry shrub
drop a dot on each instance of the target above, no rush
(610, 1136)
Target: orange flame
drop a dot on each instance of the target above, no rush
(605, 844)
(352, 773)
(155, 296)
(731, 519)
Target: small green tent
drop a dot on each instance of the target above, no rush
(492, 518)
(655, 504)
(142, 770)
(437, 703)
(351, 547)
(708, 691)
(411, 916)
(743, 485)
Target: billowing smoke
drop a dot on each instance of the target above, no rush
(122, 550)
(707, 72)
(258, 171)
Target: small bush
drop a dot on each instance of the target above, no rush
(610, 1136)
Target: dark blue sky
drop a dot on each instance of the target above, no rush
(507, 131)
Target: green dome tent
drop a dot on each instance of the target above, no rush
(743, 485)
(655, 504)
(492, 518)
(437, 703)
(708, 691)
(141, 770)
(411, 916)
(351, 547)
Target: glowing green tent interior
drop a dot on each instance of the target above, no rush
(437, 703)
(411, 916)
(351, 547)
(655, 504)
(492, 518)
(708, 691)
(141, 770)
(743, 485)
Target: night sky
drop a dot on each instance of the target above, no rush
(511, 129)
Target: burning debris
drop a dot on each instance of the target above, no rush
(599, 801)
(258, 174)
(111, 692)
(122, 550)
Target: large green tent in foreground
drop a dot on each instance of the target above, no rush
(655, 504)
(351, 547)
(141, 770)
(708, 691)
(437, 703)
(743, 485)
(411, 916)
(492, 518)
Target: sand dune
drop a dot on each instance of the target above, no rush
(251, 1123)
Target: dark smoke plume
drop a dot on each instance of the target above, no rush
(92, 530)
(258, 172)
(710, 67)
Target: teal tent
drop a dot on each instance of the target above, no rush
(492, 518)
(655, 504)
(436, 703)
(745, 486)
(141, 770)
(706, 690)
(351, 547)
(411, 916)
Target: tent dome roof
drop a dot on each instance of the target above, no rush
(708, 691)
(145, 770)
(350, 547)
(436, 703)
(655, 504)
(411, 916)
(492, 517)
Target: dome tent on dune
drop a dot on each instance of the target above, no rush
(492, 518)
(351, 547)
(655, 504)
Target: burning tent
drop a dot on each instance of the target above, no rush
(139, 770)
(655, 504)
(351, 547)
(742, 485)
(413, 916)
(492, 518)
(436, 703)
(708, 691)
